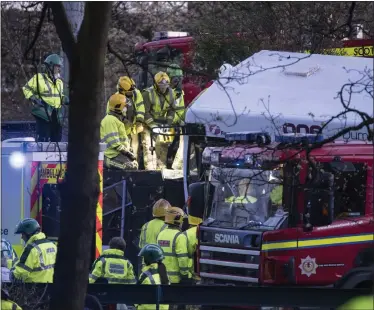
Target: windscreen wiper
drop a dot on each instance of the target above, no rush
(250, 224)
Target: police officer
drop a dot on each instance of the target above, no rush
(151, 229)
(154, 273)
(173, 242)
(45, 91)
(6, 303)
(38, 258)
(359, 303)
(160, 107)
(134, 123)
(112, 132)
(112, 266)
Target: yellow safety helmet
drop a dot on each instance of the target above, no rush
(174, 216)
(117, 103)
(160, 207)
(126, 85)
(162, 82)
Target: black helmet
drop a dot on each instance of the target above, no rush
(28, 227)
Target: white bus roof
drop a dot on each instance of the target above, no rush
(294, 88)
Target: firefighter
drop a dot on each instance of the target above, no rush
(176, 77)
(160, 105)
(173, 242)
(38, 258)
(112, 266)
(134, 125)
(6, 303)
(112, 132)
(151, 229)
(154, 273)
(45, 91)
(8, 253)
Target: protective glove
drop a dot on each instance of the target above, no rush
(139, 128)
(66, 100)
(37, 101)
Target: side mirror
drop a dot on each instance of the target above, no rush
(319, 202)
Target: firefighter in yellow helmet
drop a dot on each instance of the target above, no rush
(112, 267)
(135, 110)
(6, 303)
(118, 154)
(38, 258)
(160, 107)
(174, 244)
(154, 271)
(45, 91)
(151, 229)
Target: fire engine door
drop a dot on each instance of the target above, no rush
(46, 202)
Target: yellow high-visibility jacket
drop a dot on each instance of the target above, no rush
(114, 267)
(359, 303)
(150, 231)
(174, 244)
(150, 276)
(9, 305)
(159, 109)
(180, 110)
(37, 261)
(137, 99)
(113, 133)
(191, 246)
(41, 86)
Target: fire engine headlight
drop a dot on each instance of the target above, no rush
(17, 160)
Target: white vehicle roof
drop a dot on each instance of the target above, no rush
(295, 88)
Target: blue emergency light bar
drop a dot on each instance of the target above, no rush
(259, 137)
(299, 138)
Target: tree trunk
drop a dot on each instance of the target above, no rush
(79, 192)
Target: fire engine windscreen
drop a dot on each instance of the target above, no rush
(243, 197)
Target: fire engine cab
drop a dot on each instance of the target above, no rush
(275, 215)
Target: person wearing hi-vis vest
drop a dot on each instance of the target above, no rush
(45, 91)
(135, 110)
(174, 244)
(154, 272)
(160, 107)
(176, 77)
(37, 261)
(118, 154)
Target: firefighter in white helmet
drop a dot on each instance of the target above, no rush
(160, 108)
(118, 154)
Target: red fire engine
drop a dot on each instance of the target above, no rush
(270, 219)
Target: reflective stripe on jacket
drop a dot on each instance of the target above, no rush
(180, 110)
(150, 232)
(150, 276)
(114, 267)
(159, 108)
(113, 133)
(41, 86)
(137, 99)
(37, 261)
(9, 305)
(174, 244)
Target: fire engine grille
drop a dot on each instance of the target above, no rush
(229, 265)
